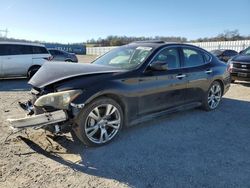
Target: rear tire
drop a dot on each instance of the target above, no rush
(99, 122)
(212, 98)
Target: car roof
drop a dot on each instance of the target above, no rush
(54, 49)
(22, 43)
(158, 44)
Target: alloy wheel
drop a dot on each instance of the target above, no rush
(214, 96)
(102, 123)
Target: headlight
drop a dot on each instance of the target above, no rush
(59, 100)
(230, 66)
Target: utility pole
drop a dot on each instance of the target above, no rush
(5, 33)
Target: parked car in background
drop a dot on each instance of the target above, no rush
(240, 66)
(21, 59)
(224, 55)
(59, 55)
(126, 86)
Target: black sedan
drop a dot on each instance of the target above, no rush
(128, 85)
(224, 55)
(240, 66)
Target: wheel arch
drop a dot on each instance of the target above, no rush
(32, 67)
(221, 84)
(117, 99)
(68, 60)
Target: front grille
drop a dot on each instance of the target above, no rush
(241, 65)
(238, 74)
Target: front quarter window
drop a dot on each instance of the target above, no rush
(170, 56)
(126, 57)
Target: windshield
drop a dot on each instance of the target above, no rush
(126, 57)
(246, 51)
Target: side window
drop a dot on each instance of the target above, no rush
(2, 49)
(39, 50)
(52, 52)
(207, 58)
(25, 49)
(193, 57)
(170, 56)
(59, 53)
(12, 49)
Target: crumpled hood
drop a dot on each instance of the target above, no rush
(242, 58)
(52, 72)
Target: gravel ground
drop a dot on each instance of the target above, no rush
(187, 149)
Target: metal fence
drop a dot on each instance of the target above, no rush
(234, 45)
(98, 50)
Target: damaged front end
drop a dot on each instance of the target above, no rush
(59, 94)
(52, 111)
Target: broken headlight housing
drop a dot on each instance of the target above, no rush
(58, 100)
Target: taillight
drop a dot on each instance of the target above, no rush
(48, 58)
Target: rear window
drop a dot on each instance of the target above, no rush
(39, 50)
(230, 53)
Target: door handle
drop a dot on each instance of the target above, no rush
(180, 76)
(209, 71)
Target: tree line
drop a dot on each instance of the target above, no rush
(228, 35)
(122, 40)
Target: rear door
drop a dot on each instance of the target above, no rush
(197, 68)
(17, 60)
(162, 90)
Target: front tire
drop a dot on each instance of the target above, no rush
(99, 122)
(213, 96)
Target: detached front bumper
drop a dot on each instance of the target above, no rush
(39, 120)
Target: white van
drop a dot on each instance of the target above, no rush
(21, 59)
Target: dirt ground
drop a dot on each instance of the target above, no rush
(187, 149)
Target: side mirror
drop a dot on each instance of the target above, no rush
(159, 66)
(241, 51)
